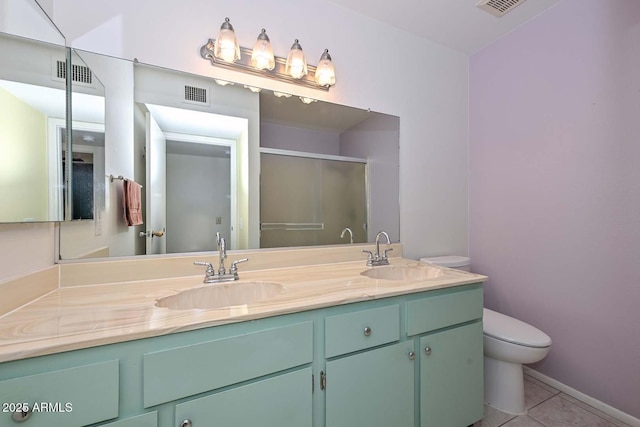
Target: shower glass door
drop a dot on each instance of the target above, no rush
(309, 201)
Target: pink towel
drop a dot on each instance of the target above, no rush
(132, 201)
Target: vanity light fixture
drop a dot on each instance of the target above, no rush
(306, 100)
(281, 94)
(325, 73)
(225, 52)
(262, 56)
(226, 46)
(296, 65)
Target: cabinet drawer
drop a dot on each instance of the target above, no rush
(350, 332)
(67, 398)
(443, 310)
(284, 400)
(149, 419)
(172, 374)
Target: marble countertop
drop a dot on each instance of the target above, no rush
(70, 318)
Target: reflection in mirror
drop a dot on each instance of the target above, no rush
(87, 102)
(25, 18)
(192, 181)
(198, 149)
(326, 167)
(308, 200)
(32, 117)
(87, 165)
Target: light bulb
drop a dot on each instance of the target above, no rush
(325, 73)
(262, 56)
(226, 46)
(296, 65)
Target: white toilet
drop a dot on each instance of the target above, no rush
(508, 343)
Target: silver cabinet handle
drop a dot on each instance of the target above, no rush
(185, 423)
(367, 331)
(21, 416)
(412, 355)
(427, 351)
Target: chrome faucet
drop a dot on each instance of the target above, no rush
(222, 251)
(377, 259)
(210, 275)
(347, 229)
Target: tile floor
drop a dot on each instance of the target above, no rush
(548, 407)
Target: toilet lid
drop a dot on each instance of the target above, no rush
(505, 328)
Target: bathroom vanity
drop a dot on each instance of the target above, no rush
(339, 345)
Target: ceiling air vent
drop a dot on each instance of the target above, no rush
(195, 95)
(498, 7)
(81, 74)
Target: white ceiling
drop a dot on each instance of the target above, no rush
(457, 24)
(190, 122)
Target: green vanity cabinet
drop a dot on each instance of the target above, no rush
(351, 365)
(451, 356)
(451, 387)
(373, 389)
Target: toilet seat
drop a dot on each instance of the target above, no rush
(504, 328)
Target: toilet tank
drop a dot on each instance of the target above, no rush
(451, 261)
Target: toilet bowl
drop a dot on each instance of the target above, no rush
(508, 344)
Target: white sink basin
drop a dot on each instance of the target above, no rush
(221, 295)
(403, 272)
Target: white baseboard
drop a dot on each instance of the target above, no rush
(601, 406)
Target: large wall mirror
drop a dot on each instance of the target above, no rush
(45, 175)
(32, 109)
(263, 169)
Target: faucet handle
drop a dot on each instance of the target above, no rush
(384, 253)
(210, 271)
(370, 256)
(234, 265)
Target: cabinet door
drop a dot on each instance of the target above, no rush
(373, 389)
(280, 401)
(451, 377)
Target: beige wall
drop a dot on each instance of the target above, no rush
(25, 248)
(23, 133)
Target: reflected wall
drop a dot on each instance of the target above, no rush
(32, 117)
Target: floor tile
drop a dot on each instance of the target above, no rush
(535, 394)
(541, 384)
(594, 410)
(560, 412)
(493, 418)
(523, 421)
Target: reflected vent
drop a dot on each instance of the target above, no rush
(498, 7)
(196, 95)
(81, 73)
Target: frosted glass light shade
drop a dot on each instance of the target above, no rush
(226, 46)
(296, 65)
(262, 55)
(325, 73)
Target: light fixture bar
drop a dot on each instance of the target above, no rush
(278, 73)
